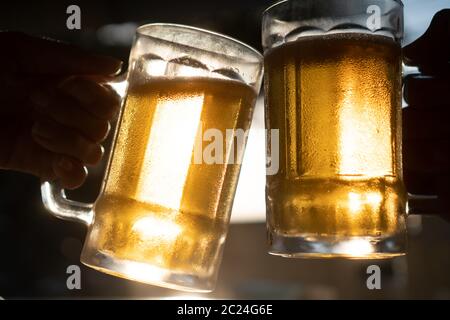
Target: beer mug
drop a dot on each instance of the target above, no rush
(333, 94)
(164, 207)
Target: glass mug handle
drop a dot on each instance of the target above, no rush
(56, 202)
(422, 204)
(53, 195)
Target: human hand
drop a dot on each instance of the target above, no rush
(54, 113)
(426, 127)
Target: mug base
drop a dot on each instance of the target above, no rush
(146, 273)
(349, 247)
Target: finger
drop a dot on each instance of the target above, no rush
(45, 56)
(97, 99)
(427, 91)
(426, 123)
(70, 172)
(63, 140)
(67, 111)
(433, 47)
(427, 156)
(30, 157)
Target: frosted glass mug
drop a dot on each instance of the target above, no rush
(333, 90)
(162, 216)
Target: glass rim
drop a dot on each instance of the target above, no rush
(257, 57)
(276, 4)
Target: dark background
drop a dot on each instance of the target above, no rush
(35, 248)
(236, 18)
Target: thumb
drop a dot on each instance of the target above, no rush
(32, 55)
(432, 49)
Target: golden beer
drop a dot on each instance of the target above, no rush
(336, 101)
(159, 207)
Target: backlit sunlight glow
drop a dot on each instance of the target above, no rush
(144, 272)
(374, 199)
(120, 87)
(354, 201)
(365, 145)
(152, 228)
(155, 67)
(349, 139)
(355, 248)
(357, 201)
(173, 132)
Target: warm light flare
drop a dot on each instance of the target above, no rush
(354, 202)
(151, 228)
(155, 67)
(357, 201)
(365, 142)
(355, 248)
(144, 272)
(175, 123)
(374, 199)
